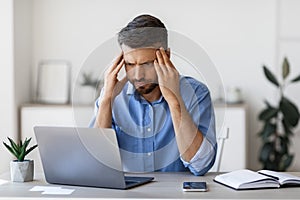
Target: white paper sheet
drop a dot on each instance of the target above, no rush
(3, 181)
(52, 190)
(59, 191)
(43, 188)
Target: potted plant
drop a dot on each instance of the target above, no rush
(88, 80)
(279, 121)
(21, 170)
(89, 87)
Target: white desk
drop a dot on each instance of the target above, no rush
(165, 186)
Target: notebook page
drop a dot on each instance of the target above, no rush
(238, 178)
(283, 178)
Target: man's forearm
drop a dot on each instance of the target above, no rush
(188, 137)
(104, 115)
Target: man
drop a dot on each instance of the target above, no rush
(163, 121)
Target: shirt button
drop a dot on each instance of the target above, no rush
(148, 129)
(149, 154)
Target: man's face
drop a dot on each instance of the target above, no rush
(140, 69)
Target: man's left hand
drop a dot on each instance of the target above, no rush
(168, 77)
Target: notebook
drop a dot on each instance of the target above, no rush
(83, 157)
(247, 179)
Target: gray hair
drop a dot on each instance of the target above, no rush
(144, 31)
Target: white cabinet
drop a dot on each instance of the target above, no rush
(51, 115)
(235, 147)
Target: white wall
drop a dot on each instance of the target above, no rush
(239, 36)
(22, 50)
(7, 108)
(15, 62)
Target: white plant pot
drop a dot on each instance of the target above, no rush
(21, 171)
(87, 95)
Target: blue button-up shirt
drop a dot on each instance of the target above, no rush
(146, 134)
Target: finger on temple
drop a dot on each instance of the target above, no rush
(166, 58)
(159, 58)
(120, 65)
(158, 68)
(116, 62)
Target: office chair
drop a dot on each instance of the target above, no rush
(221, 137)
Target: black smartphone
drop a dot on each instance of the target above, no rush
(194, 186)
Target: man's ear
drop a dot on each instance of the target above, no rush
(168, 52)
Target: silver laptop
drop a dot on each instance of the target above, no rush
(83, 157)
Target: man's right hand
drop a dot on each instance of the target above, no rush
(112, 86)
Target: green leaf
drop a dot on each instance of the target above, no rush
(19, 150)
(283, 145)
(296, 79)
(268, 130)
(268, 113)
(30, 149)
(286, 126)
(88, 80)
(287, 161)
(270, 76)
(26, 143)
(10, 149)
(14, 146)
(290, 111)
(268, 104)
(270, 165)
(266, 151)
(285, 68)
(22, 154)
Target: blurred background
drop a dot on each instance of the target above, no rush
(239, 36)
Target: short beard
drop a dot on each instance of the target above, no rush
(142, 90)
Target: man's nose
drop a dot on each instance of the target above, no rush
(139, 72)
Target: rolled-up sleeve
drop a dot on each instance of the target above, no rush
(202, 160)
(202, 112)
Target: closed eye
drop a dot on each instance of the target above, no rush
(129, 64)
(145, 64)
